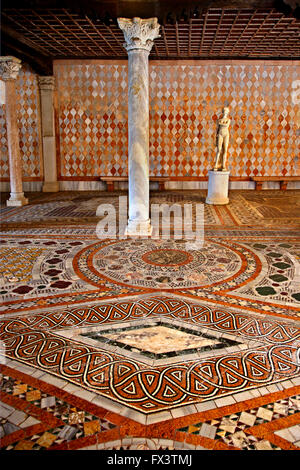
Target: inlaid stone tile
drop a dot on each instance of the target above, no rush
(46, 439)
(161, 339)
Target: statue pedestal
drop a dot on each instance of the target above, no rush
(218, 187)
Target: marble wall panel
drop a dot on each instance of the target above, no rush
(186, 99)
(92, 119)
(28, 108)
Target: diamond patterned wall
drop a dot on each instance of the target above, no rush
(185, 101)
(29, 128)
(92, 119)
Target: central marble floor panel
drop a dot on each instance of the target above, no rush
(157, 340)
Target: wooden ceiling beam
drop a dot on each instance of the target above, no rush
(244, 30)
(84, 31)
(73, 34)
(12, 33)
(101, 35)
(165, 40)
(56, 31)
(190, 36)
(177, 38)
(257, 31)
(203, 32)
(230, 31)
(266, 34)
(216, 33)
(293, 37)
(61, 33)
(32, 33)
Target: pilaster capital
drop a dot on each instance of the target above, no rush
(139, 33)
(9, 67)
(47, 83)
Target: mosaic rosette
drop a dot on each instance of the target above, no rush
(262, 275)
(167, 264)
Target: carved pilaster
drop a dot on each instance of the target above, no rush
(9, 68)
(47, 83)
(47, 87)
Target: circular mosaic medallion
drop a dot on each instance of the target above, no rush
(163, 264)
(168, 257)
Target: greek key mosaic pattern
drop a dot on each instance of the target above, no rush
(128, 381)
(185, 102)
(28, 110)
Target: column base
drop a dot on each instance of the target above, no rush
(139, 228)
(218, 182)
(17, 200)
(217, 201)
(51, 187)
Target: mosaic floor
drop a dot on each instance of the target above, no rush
(145, 343)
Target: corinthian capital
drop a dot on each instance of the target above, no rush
(47, 83)
(138, 33)
(9, 67)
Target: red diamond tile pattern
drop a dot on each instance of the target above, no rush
(185, 102)
(29, 127)
(92, 119)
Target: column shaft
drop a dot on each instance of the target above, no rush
(15, 166)
(48, 134)
(139, 35)
(9, 69)
(138, 137)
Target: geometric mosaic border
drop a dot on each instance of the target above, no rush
(35, 341)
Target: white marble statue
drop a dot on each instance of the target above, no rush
(222, 141)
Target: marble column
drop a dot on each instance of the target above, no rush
(9, 69)
(47, 87)
(139, 35)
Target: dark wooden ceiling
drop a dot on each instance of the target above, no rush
(50, 30)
